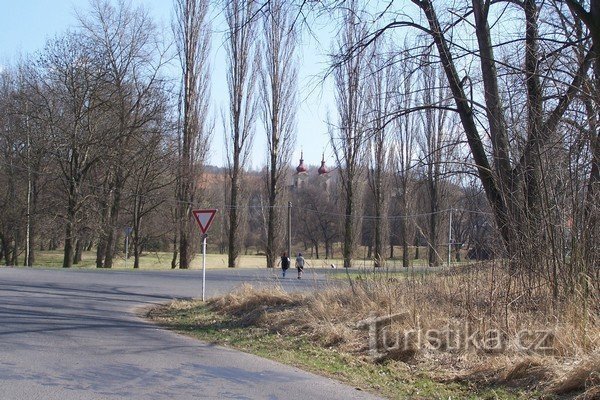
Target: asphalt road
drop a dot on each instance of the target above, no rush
(74, 334)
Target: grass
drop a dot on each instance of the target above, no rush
(318, 331)
(162, 260)
(383, 273)
(149, 261)
(394, 264)
(391, 379)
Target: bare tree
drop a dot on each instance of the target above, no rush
(380, 99)
(316, 215)
(241, 79)
(510, 159)
(151, 182)
(192, 32)
(278, 77)
(69, 86)
(472, 222)
(435, 150)
(122, 41)
(589, 219)
(11, 175)
(512, 178)
(25, 154)
(348, 140)
(404, 155)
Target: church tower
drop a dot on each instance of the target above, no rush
(301, 173)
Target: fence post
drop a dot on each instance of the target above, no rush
(289, 230)
(450, 239)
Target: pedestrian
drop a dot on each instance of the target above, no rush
(300, 265)
(285, 263)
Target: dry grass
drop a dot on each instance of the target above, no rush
(546, 345)
(253, 307)
(583, 377)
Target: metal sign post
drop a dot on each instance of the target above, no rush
(204, 236)
(204, 218)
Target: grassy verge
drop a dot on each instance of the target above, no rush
(392, 379)
(470, 332)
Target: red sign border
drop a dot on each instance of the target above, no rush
(211, 211)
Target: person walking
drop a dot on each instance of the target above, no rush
(300, 265)
(285, 263)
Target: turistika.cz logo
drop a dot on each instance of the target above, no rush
(382, 340)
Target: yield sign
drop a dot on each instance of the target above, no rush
(204, 218)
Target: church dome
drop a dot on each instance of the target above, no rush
(301, 168)
(323, 168)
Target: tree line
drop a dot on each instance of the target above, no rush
(486, 108)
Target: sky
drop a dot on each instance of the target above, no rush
(26, 25)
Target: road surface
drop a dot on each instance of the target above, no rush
(74, 334)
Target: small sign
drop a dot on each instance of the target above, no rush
(128, 230)
(204, 218)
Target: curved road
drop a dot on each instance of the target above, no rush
(74, 334)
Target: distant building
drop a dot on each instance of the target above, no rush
(301, 173)
(302, 176)
(324, 177)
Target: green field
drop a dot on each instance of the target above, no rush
(162, 260)
(153, 261)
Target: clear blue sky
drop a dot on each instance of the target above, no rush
(25, 26)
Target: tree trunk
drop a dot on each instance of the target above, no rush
(379, 258)
(136, 255)
(233, 251)
(432, 255)
(405, 250)
(32, 222)
(15, 252)
(70, 227)
(348, 250)
(6, 251)
(457, 248)
(78, 249)
(174, 258)
(272, 215)
(68, 251)
(185, 213)
(102, 240)
(2, 248)
(417, 255)
(100, 251)
(184, 246)
(273, 172)
(31, 255)
(111, 242)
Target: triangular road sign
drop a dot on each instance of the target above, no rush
(204, 218)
